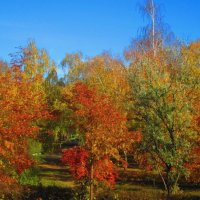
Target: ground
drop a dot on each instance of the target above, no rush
(132, 184)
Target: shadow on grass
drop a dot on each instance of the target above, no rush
(52, 159)
(142, 195)
(55, 177)
(52, 169)
(38, 193)
(47, 193)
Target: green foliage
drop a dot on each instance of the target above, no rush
(47, 144)
(81, 191)
(30, 177)
(162, 106)
(35, 149)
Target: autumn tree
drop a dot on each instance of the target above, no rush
(22, 106)
(162, 105)
(153, 38)
(104, 72)
(103, 133)
(32, 60)
(37, 64)
(191, 58)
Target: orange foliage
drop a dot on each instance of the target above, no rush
(21, 106)
(104, 131)
(104, 126)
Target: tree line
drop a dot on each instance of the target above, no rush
(146, 105)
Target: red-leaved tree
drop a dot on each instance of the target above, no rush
(21, 106)
(104, 132)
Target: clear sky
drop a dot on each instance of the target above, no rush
(90, 26)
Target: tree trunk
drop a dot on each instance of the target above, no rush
(176, 182)
(91, 183)
(163, 180)
(168, 182)
(125, 156)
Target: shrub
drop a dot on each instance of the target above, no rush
(30, 177)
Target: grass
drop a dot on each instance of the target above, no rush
(141, 181)
(134, 184)
(55, 175)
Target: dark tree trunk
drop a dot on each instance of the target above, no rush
(91, 183)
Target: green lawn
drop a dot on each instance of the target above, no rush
(133, 184)
(56, 183)
(53, 175)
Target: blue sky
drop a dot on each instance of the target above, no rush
(90, 26)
